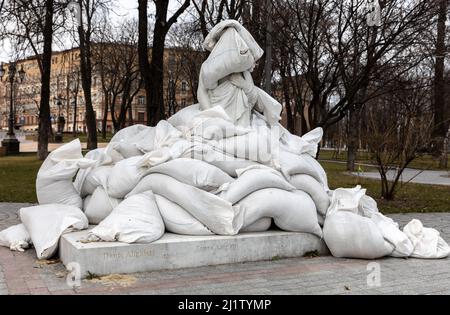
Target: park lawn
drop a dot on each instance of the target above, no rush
(425, 162)
(68, 137)
(18, 177)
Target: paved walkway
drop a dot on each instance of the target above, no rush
(409, 175)
(20, 273)
(31, 146)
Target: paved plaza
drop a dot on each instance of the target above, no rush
(21, 273)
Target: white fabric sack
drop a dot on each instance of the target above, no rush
(184, 116)
(125, 175)
(291, 211)
(96, 177)
(193, 172)
(261, 225)
(125, 141)
(426, 241)
(292, 164)
(350, 235)
(215, 213)
(135, 220)
(179, 221)
(16, 238)
(252, 179)
(313, 188)
(101, 158)
(54, 180)
(230, 55)
(99, 206)
(403, 246)
(46, 224)
(307, 144)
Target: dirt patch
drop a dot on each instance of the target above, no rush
(114, 280)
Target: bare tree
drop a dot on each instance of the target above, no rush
(153, 72)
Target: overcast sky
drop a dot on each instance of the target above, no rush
(125, 9)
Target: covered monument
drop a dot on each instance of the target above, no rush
(224, 166)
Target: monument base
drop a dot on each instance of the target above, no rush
(11, 145)
(177, 251)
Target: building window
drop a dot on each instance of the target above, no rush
(141, 117)
(184, 87)
(183, 103)
(141, 100)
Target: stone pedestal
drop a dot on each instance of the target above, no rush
(11, 145)
(177, 251)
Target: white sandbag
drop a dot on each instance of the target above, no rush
(99, 206)
(292, 164)
(427, 242)
(215, 213)
(124, 141)
(193, 172)
(307, 144)
(230, 55)
(54, 180)
(350, 235)
(179, 221)
(165, 154)
(403, 246)
(291, 211)
(16, 238)
(101, 158)
(125, 175)
(135, 220)
(96, 177)
(46, 224)
(313, 188)
(184, 116)
(261, 225)
(252, 179)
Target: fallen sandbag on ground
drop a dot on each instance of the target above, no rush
(124, 176)
(252, 179)
(99, 206)
(135, 220)
(46, 224)
(291, 211)
(215, 213)
(54, 180)
(179, 221)
(193, 172)
(313, 188)
(16, 238)
(427, 242)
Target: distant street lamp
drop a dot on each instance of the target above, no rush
(60, 122)
(10, 142)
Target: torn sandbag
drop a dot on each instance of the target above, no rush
(54, 180)
(193, 172)
(427, 242)
(252, 179)
(46, 224)
(179, 221)
(16, 238)
(291, 211)
(99, 206)
(134, 220)
(215, 213)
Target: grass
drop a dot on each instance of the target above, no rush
(18, 177)
(425, 162)
(83, 138)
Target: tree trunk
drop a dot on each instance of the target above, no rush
(44, 106)
(144, 64)
(441, 125)
(105, 114)
(86, 82)
(75, 116)
(352, 138)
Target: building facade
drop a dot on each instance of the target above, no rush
(67, 99)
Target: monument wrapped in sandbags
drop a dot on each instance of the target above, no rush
(224, 166)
